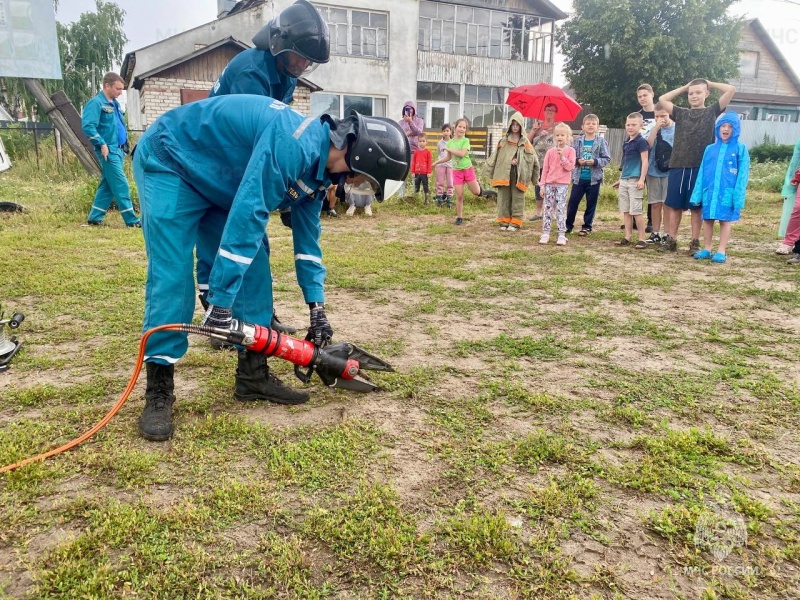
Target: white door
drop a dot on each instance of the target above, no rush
(437, 115)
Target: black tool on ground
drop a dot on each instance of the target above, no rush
(11, 207)
(9, 345)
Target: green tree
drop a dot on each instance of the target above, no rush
(613, 46)
(89, 48)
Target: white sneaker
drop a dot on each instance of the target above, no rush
(503, 227)
(368, 210)
(562, 240)
(513, 228)
(545, 239)
(351, 211)
(783, 250)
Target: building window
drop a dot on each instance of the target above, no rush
(356, 32)
(484, 105)
(465, 30)
(340, 105)
(748, 64)
(778, 117)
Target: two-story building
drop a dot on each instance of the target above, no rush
(453, 58)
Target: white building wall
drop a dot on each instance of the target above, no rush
(473, 70)
(394, 78)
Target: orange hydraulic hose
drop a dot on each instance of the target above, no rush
(114, 410)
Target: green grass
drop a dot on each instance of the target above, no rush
(551, 409)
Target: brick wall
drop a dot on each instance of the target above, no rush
(158, 95)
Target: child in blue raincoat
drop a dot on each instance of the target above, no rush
(722, 184)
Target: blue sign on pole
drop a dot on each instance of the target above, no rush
(28, 40)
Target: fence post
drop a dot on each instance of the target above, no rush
(59, 153)
(36, 143)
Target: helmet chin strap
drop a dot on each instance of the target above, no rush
(340, 186)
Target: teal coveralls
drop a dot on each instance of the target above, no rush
(224, 164)
(102, 123)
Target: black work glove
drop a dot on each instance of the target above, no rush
(320, 331)
(217, 316)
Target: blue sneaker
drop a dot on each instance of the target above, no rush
(719, 257)
(703, 255)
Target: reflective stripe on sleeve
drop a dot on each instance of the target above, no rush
(299, 131)
(305, 188)
(235, 257)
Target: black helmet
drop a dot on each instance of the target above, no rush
(299, 28)
(380, 151)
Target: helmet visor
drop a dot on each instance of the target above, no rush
(296, 64)
(390, 188)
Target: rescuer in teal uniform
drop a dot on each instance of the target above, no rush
(185, 181)
(102, 123)
(292, 44)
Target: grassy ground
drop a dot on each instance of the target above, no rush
(579, 422)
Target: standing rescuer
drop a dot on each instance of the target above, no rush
(102, 123)
(292, 44)
(274, 158)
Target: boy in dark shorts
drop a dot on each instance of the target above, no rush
(694, 130)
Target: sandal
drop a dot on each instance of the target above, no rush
(622, 242)
(584, 232)
(640, 245)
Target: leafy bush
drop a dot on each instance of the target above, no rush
(18, 140)
(771, 152)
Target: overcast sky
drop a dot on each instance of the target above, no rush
(148, 21)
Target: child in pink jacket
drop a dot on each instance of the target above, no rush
(556, 171)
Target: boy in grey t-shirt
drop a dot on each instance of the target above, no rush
(661, 140)
(694, 130)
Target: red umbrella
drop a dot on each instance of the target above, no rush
(531, 99)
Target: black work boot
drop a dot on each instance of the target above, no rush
(155, 424)
(254, 382)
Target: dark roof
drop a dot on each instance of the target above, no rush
(243, 5)
(765, 99)
(312, 86)
(139, 81)
(547, 9)
(767, 40)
